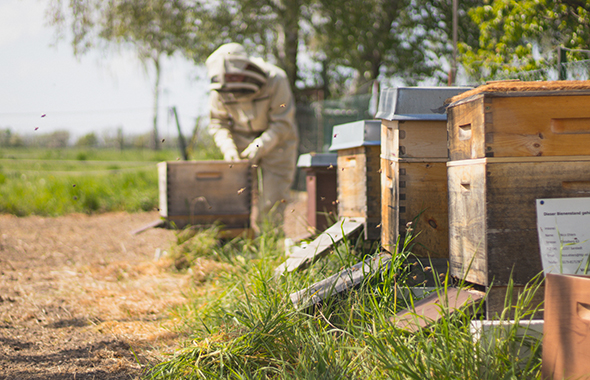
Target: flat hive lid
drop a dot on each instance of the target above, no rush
(415, 103)
(523, 88)
(312, 160)
(356, 134)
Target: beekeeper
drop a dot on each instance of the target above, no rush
(252, 114)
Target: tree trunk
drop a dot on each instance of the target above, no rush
(156, 102)
(288, 38)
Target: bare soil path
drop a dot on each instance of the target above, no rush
(77, 292)
(81, 297)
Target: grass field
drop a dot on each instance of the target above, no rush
(240, 319)
(243, 325)
(59, 181)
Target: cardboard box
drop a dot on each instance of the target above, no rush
(566, 342)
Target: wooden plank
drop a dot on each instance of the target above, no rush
(432, 308)
(352, 183)
(372, 225)
(359, 187)
(389, 204)
(515, 160)
(302, 257)
(466, 138)
(520, 126)
(389, 139)
(492, 212)
(467, 223)
(154, 224)
(340, 282)
(163, 188)
(423, 191)
(526, 126)
(321, 186)
(423, 139)
(227, 221)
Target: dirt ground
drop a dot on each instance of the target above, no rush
(83, 298)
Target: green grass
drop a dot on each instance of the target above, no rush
(242, 323)
(53, 182)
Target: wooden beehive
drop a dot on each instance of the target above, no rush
(203, 193)
(521, 119)
(492, 213)
(511, 143)
(320, 183)
(413, 167)
(358, 180)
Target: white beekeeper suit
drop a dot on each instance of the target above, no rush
(252, 114)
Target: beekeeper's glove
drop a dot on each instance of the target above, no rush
(260, 146)
(231, 155)
(253, 152)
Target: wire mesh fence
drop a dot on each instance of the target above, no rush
(576, 70)
(316, 119)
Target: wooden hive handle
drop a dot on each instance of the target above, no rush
(208, 175)
(571, 126)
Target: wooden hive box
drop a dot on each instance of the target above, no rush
(202, 193)
(358, 145)
(511, 143)
(492, 213)
(321, 185)
(413, 166)
(521, 119)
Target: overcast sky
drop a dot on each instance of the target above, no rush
(87, 94)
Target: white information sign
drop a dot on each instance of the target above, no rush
(564, 234)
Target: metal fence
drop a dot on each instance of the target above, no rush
(576, 70)
(316, 119)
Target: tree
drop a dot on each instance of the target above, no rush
(361, 38)
(153, 28)
(270, 28)
(518, 35)
(89, 140)
(407, 39)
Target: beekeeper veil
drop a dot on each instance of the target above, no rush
(231, 70)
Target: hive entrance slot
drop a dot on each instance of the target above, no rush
(465, 132)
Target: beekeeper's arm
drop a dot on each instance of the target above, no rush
(281, 120)
(219, 128)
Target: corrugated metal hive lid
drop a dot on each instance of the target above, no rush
(415, 103)
(356, 134)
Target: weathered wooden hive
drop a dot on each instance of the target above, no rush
(320, 183)
(358, 145)
(511, 143)
(413, 166)
(203, 193)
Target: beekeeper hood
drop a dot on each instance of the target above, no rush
(231, 70)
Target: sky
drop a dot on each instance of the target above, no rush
(92, 93)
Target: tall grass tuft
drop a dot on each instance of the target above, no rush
(243, 325)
